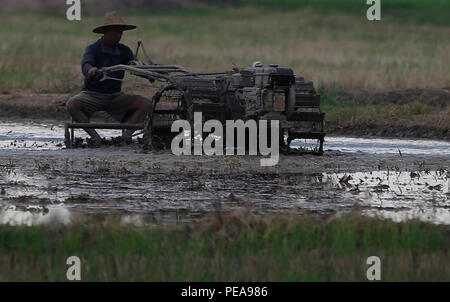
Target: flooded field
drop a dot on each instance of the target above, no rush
(41, 181)
(50, 136)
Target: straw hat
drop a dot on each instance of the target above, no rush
(112, 19)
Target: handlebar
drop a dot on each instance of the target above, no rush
(100, 75)
(143, 71)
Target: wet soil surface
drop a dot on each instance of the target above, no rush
(52, 106)
(41, 181)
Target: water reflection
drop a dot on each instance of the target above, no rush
(387, 146)
(63, 215)
(50, 136)
(435, 216)
(155, 199)
(33, 215)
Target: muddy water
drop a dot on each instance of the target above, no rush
(54, 190)
(38, 136)
(50, 136)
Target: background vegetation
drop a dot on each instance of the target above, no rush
(234, 247)
(329, 42)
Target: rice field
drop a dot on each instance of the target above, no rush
(328, 42)
(337, 50)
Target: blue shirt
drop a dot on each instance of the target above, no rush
(97, 55)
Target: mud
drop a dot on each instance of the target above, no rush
(158, 187)
(39, 107)
(41, 181)
(430, 96)
(387, 130)
(432, 125)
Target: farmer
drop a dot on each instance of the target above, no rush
(107, 95)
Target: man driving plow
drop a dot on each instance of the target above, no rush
(107, 95)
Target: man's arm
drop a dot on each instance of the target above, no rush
(88, 63)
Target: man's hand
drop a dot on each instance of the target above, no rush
(92, 73)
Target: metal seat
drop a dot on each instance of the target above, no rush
(69, 137)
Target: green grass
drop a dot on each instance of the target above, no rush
(411, 11)
(333, 47)
(435, 12)
(233, 248)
